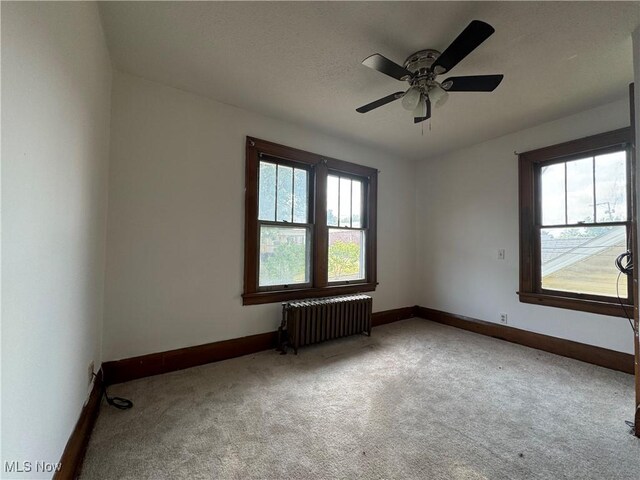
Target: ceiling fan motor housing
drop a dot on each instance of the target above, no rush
(419, 63)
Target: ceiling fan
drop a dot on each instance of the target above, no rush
(421, 69)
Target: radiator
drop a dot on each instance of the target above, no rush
(305, 322)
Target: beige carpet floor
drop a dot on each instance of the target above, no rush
(416, 400)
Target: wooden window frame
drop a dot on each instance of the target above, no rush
(319, 168)
(529, 165)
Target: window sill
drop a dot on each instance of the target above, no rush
(603, 308)
(302, 293)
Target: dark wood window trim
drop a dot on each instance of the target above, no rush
(319, 168)
(530, 211)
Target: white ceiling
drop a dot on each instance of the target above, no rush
(300, 62)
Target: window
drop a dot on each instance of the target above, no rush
(310, 225)
(575, 219)
(347, 238)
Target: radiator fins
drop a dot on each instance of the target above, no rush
(305, 322)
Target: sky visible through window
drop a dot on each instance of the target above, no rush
(344, 202)
(610, 197)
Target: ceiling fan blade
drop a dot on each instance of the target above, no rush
(386, 66)
(470, 38)
(427, 113)
(380, 102)
(472, 83)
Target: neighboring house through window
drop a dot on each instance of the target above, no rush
(310, 225)
(575, 219)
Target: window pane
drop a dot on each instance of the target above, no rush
(346, 255)
(332, 200)
(580, 191)
(581, 259)
(552, 180)
(611, 187)
(284, 256)
(300, 196)
(285, 194)
(356, 204)
(267, 192)
(345, 202)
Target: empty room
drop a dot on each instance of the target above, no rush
(319, 240)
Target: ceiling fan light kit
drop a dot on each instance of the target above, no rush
(421, 69)
(438, 95)
(411, 98)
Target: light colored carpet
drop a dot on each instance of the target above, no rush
(416, 400)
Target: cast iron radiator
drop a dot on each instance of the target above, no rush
(312, 321)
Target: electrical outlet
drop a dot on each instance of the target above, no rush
(90, 372)
(501, 254)
(503, 318)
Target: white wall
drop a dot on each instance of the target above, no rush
(56, 83)
(176, 219)
(467, 209)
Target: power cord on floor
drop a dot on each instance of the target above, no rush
(632, 426)
(624, 309)
(118, 402)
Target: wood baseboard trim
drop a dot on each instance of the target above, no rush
(157, 363)
(127, 369)
(73, 455)
(603, 357)
(389, 316)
